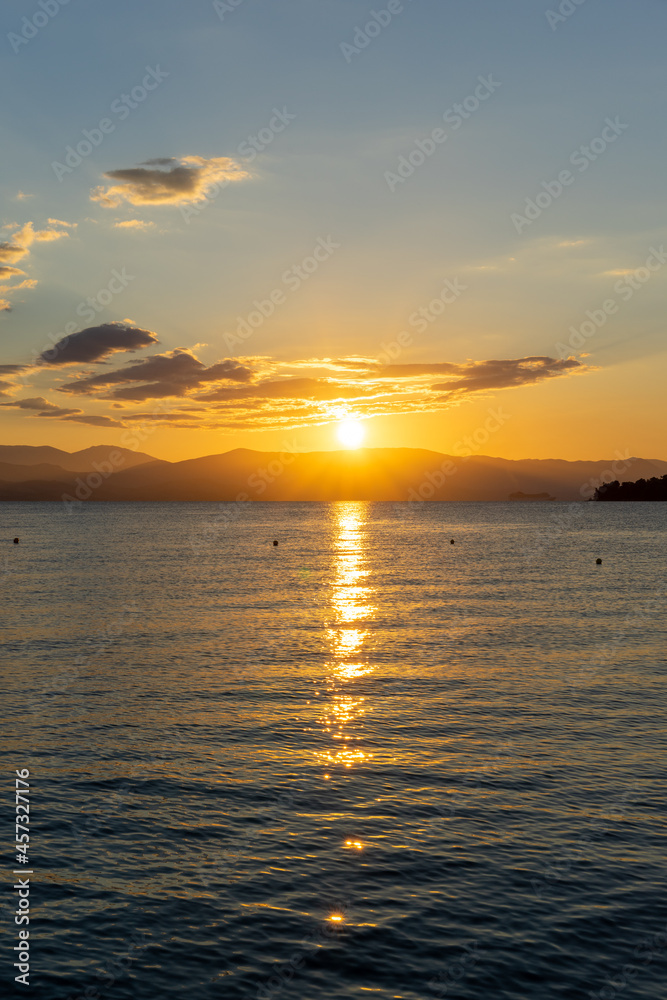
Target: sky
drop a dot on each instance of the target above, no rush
(247, 223)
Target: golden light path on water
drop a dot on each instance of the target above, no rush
(351, 611)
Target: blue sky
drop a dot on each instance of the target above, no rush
(324, 176)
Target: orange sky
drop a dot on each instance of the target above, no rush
(441, 245)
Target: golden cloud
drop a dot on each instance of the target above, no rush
(167, 181)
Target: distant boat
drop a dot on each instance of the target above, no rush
(531, 496)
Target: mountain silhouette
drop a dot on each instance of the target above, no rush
(397, 474)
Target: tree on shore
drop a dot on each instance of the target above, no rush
(643, 489)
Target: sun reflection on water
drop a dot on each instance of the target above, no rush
(351, 611)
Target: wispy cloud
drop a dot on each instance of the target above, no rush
(135, 224)
(18, 247)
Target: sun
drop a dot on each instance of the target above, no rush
(351, 433)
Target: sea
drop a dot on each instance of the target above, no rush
(410, 751)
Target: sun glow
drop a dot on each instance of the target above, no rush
(351, 433)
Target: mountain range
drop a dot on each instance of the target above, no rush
(105, 472)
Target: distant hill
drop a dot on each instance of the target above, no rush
(371, 474)
(78, 461)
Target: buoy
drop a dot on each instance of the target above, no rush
(16, 541)
(451, 541)
(598, 562)
(275, 543)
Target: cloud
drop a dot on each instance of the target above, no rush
(173, 374)
(26, 283)
(291, 388)
(366, 388)
(23, 239)
(97, 342)
(483, 376)
(96, 421)
(18, 247)
(167, 181)
(34, 403)
(41, 406)
(262, 393)
(134, 224)
(22, 196)
(38, 406)
(319, 391)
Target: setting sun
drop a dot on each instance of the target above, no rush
(351, 433)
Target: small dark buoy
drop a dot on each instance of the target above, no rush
(598, 562)
(16, 541)
(451, 541)
(275, 543)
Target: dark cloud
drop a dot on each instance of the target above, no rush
(173, 374)
(482, 376)
(97, 342)
(167, 181)
(160, 161)
(40, 407)
(10, 369)
(33, 403)
(96, 421)
(59, 412)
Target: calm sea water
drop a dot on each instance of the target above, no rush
(362, 763)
